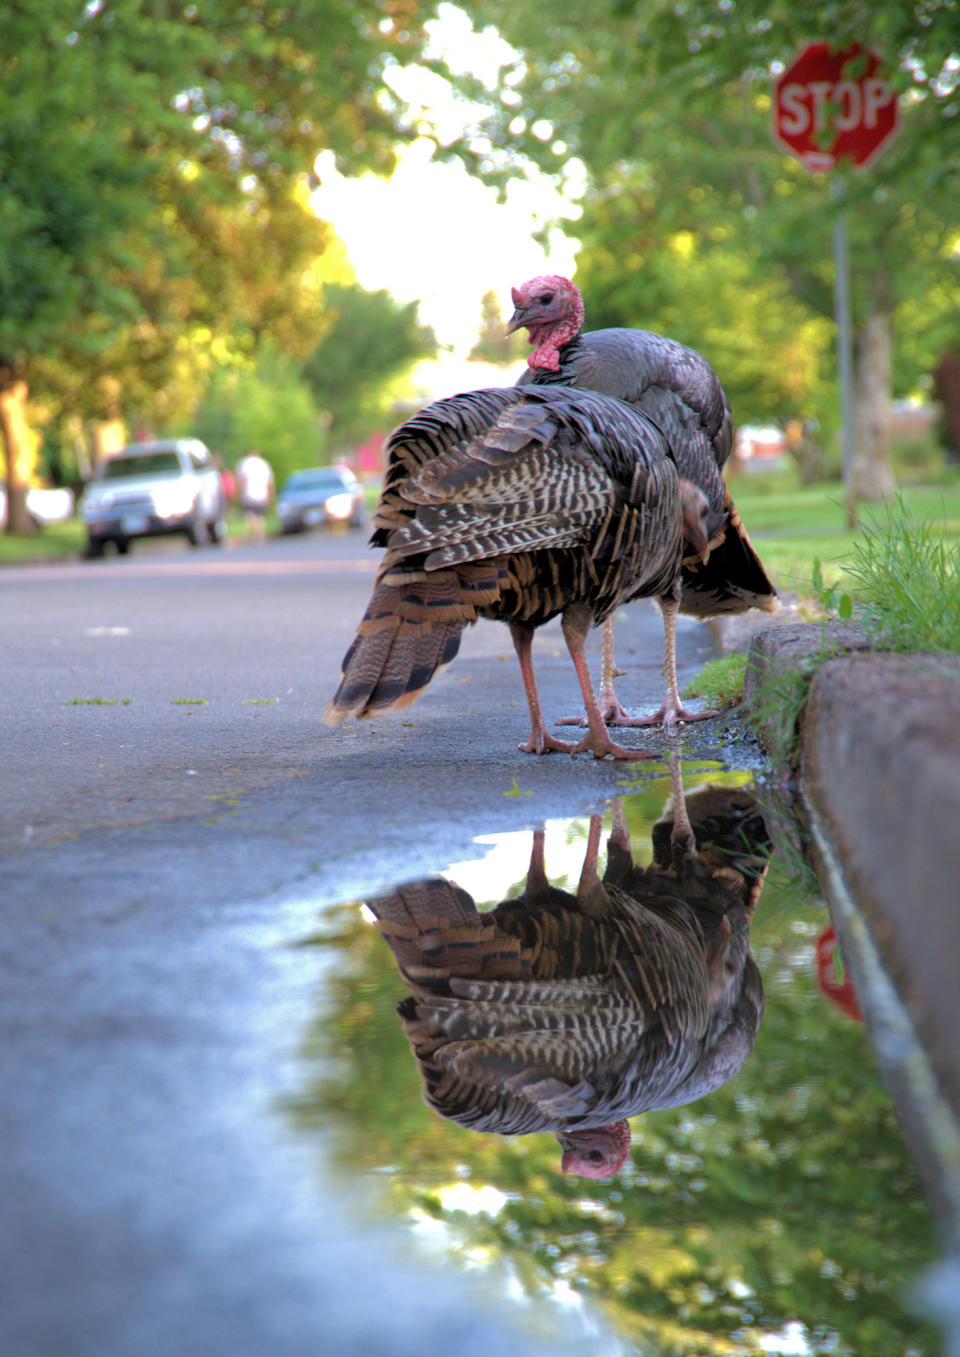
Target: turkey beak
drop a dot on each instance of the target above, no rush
(518, 320)
(694, 508)
(566, 1158)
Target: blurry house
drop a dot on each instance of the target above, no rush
(759, 447)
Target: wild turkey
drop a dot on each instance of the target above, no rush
(681, 393)
(516, 505)
(569, 1014)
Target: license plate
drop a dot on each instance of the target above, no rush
(134, 524)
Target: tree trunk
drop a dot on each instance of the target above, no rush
(806, 451)
(946, 386)
(872, 471)
(17, 446)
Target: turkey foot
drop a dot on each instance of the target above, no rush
(542, 742)
(602, 747)
(615, 715)
(612, 713)
(670, 715)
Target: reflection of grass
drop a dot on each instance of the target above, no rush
(259, 701)
(188, 702)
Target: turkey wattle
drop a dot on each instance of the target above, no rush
(681, 393)
(517, 505)
(570, 1013)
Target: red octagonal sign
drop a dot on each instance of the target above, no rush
(832, 105)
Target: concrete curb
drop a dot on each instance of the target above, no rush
(876, 779)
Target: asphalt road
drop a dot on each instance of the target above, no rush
(169, 705)
(174, 817)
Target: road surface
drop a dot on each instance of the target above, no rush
(174, 817)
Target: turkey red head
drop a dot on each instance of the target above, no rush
(598, 1153)
(550, 309)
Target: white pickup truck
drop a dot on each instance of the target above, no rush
(150, 489)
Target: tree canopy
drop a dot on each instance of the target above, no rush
(154, 161)
(370, 340)
(695, 224)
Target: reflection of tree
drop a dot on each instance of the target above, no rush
(787, 1195)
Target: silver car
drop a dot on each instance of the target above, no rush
(150, 489)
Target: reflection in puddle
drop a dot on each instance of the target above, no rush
(569, 1012)
(779, 1213)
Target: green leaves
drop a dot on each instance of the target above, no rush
(371, 340)
(153, 159)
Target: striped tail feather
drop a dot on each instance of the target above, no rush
(732, 580)
(409, 632)
(435, 932)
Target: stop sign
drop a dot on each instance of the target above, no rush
(832, 105)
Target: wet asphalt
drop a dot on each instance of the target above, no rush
(174, 817)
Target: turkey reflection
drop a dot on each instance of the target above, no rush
(570, 1013)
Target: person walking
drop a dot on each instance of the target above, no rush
(255, 482)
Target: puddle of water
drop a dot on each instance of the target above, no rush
(778, 1214)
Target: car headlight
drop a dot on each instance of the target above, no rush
(339, 506)
(172, 501)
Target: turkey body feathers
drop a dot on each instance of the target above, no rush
(512, 505)
(673, 384)
(681, 393)
(537, 1017)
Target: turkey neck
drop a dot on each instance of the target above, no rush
(552, 345)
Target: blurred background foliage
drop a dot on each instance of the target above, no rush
(691, 225)
(785, 1198)
(156, 232)
(161, 260)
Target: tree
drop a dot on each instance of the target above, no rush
(150, 157)
(263, 404)
(669, 111)
(371, 340)
(493, 344)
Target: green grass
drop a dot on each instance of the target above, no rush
(792, 526)
(99, 702)
(900, 580)
(188, 702)
(67, 541)
(58, 541)
(904, 580)
(720, 682)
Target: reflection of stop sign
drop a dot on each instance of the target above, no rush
(834, 105)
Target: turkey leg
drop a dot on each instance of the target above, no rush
(540, 741)
(609, 704)
(577, 620)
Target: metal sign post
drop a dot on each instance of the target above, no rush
(844, 323)
(832, 105)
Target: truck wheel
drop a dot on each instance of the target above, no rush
(196, 531)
